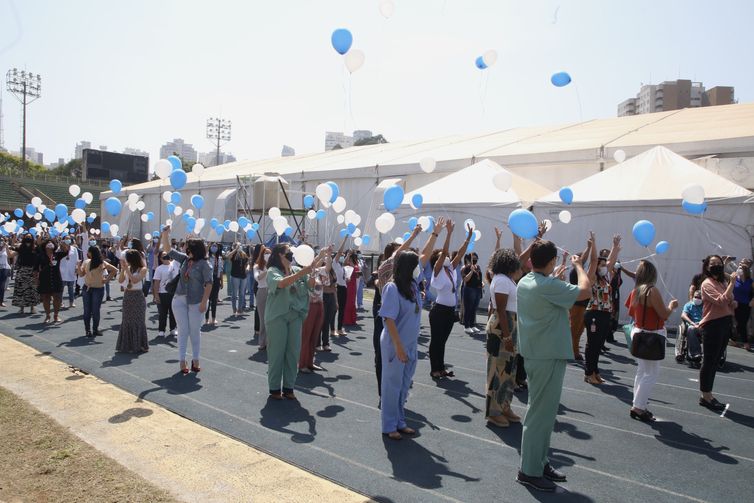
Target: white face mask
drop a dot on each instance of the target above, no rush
(697, 302)
(617, 266)
(603, 271)
(417, 272)
(267, 257)
(447, 262)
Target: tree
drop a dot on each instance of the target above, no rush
(72, 168)
(11, 165)
(372, 140)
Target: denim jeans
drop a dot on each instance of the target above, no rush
(189, 321)
(92, 298)
(70, 285)
(237, 293)
(360, 293)
(4, 275)
(250, 282)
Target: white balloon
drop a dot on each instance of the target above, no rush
(468, 223)
(356, 233)
(693, 194)
(78, 215)
(502, 180)
(428, 164)
(385, 222)
(349, 216)
(114, 229)
(178, 210)
(9, 226)
(564, 216)
(133, 197)
(74, 190)
(37, 216)
(356, 220)
(339, 204)
(97, 231)
(398, 241)
(87, 197)
(147, 236)
(387, 8)
(354, 59)
(489, 57)
(304, 255)
(273, 212)
(233, 227)
(324, 193)
(341, 219)
(619, 156)
(169, 221)
(131, 206)
(36, 201)
(189, 212)
(548, 224)
(199, 225)
(477, 235)
(357, 241)
(280, 224)
(423, 222)
(197, 169)
(92, 231)
(311, 214)
(141, 205)
(166, 196)
(144, 218)
(92, 215)
(42, 207)
(163, 168)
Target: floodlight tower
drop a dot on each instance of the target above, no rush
(26, 87)
(218, 130)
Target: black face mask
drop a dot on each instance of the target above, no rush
(289, 256)
(716, 270)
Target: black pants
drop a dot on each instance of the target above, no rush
(331, 307)
(341, 305)
(378, 326)
(598, 325)
(441, 320)
(471, 298)
(164, 308)
(743, 312)
(213, 295)
(715, 335)
(520, 370)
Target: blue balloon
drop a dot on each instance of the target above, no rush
(644, 232)
(479, 62)
(185, 217)
(61, 210)
(80, 203)
(243, 222)
(523, 223)
(250, 233)
(49, 215)
(213, 223)
(343, 233)
(560, 79)
(116, 185)
(70, 220)
(105, 227)
(288, 231)
(694, 209)
(341, 40)
(321, 214)
(393, 197)
(365, 239)
(175, 198)
(30, 209)
(176, 162)
(662, 247)
(412, 223)
(20, 223)
(226, 225)
(470, 248)
(171, 208)
(18, 212)
(255, 227)
(178, 179)
(54, 232)
(335, 191)
(89, 220)
(113, 205)
(197, 201)
(566, 195)
(190, 222)
(406, 236)
(417, 200)
(431, 224)
(351, 228)
(150, 217)
(156, 234)
(33, 231)
(308, 201)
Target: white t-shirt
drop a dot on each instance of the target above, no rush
(260, 276)
(68, 265)
(342, 274)
(504, 285)
(164, 273)
(444, 285)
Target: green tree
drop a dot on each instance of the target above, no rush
(372, 140)
(72, 168)
(11, 165)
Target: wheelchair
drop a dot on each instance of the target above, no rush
(693, 355)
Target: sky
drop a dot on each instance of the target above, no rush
(142, 72)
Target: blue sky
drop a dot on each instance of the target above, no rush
(142, 72)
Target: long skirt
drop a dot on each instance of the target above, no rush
(24, 292)
(501, 366)
(132, 336)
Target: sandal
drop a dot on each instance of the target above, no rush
(184, 368)
(275, 395)
(448, 373)
(591, 379)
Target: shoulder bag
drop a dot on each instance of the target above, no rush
(648, 345)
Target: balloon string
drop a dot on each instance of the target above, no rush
(662, 280)
(350, 102)
(706, 232)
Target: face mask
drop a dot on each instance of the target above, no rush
(447, 262)
(130, 245)
(417, 272)
(716, 270)
(617, 266)
(50, 246)
(92, 243)
(603, 271)
(67, 241)
(697, 302)
(213, 249)
(266, 257)
(289, 256)
(341, 260)
(740, 273)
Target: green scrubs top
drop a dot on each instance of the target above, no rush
(280, 301)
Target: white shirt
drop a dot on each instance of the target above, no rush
(342, 274)
(164, 273)
(504, 285)
(68, 265)
(260, 276)
(444, 285)
(4, 258)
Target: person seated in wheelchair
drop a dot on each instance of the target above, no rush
(691, 316)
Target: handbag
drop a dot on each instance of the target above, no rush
(648, 345)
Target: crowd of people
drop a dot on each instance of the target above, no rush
(541, 301)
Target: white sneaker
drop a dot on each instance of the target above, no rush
(469, 331)
(318, 348)
(476, 330)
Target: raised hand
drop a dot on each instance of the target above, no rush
(541, 229)
(440, 222)
(498, 233)
(576, 260)
(616, 240)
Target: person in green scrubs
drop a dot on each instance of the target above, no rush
(545, 342)
(287, 306)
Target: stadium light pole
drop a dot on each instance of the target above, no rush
(26, 87)
(218, 130)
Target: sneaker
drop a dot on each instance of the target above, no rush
(318, 348)
(469, 331)
(713, 404)
(538, 483)
(97, 333)
(316, 368)
(476, 330)
(326, 348)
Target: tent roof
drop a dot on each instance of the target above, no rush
(657, 174)
(474, 185)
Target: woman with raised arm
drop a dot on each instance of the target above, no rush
(132, 336)
(93, 271)
(315, 318)
(598, 314)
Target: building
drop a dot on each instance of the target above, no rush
(135, 151)
(288, 151)
(361, 134)
(56, 164)
(208, 159)
(674, 95)
(31, 155)
(336, 139)
(80, 146)
(180, 148)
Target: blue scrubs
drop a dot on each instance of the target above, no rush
(396, 375)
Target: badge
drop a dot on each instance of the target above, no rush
(54, 263)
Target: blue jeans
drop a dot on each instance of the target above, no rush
(70, 285)
(92, 298)
(238, 293)
(4, 275)
(250, 282)
(360, 293)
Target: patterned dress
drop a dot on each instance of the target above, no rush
(132, 336)
(501, 365)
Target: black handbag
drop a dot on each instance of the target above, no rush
(648, 345)
(171, 285)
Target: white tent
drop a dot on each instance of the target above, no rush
(649, 187)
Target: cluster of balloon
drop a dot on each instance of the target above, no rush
(486, 60)
(523, 223)
(327, 193)
(560, 79)
(693, 200)
(619, 156)
(644, 233)
(342, 40)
